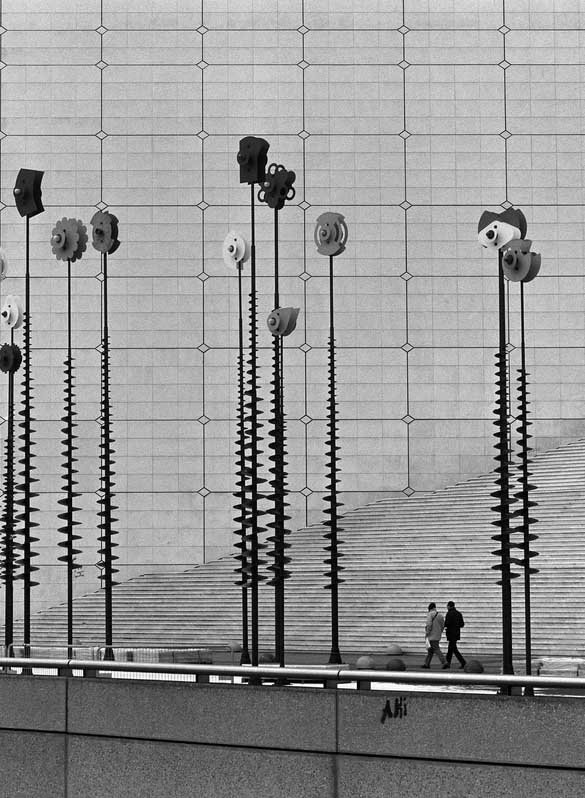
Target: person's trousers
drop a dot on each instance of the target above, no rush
(454, 650)
(434, 649)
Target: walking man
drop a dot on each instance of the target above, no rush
(433, 630)
(453, 624)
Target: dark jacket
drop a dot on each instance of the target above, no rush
(453, 624)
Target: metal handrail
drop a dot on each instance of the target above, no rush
(327, 674)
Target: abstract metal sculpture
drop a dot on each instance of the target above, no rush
(494, 232)
(330, 238)
(69, 242)
(252, 160)
(10, 360)
(27, 196)
(276, 189)
(236, 251)
(521, 265)
(105, 240)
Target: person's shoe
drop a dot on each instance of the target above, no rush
(462, 666)
(425, 666)
(446, 665)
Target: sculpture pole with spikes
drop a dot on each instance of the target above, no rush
(105, 240)
(331, 238)
(252, 157)
(69, 242)
(521, 265)
(27, 196)
(10, 359)
(276, 189)
(496, 231)
(236, 251)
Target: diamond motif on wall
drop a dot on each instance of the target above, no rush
(304, 276)
(101, 135)
(408, 491)
(303, 134)
(203, 205)
(101, 30)
(2, 135)
(101, 65)
(303, 29)
(406, 276)
(504, 64)
(2, 64)
(505, 134)
(408, 419)
(204, 491)
(406, 205)
(305, 347)
(2, 206)
(2, 30)
(202, 64)
(407, 347)
(2, 420)
(305, 419)
(504, 29)
(403, 30)
(203, 348)
(203, 419)
(506, 204)
(404, 134)
(100, 278)
(202, 276)
(403, 64)
(304, 205)
(303, 64)
(510, 347)
(306, 491)
(202, 30)
(202, 135)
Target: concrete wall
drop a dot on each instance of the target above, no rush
(85, 738)
(391, 112)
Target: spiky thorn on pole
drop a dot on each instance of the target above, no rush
(252, 157)
(236, 251)
(10, 359)
(28, 199)
(331, 238)
(276, 189)
(68, 243)
(105, 240)
(521, 265)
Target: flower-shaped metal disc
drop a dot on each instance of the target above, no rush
(236, 249)
(69, 239)
(104, 236)
(12, 312)
(277, 187)
(518, 262)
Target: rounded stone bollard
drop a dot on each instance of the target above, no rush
(393, 650)
(365, 663)
(395, 664)
(473, 666)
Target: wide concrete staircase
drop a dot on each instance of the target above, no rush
(399, 554)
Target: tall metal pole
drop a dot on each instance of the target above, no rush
(8, 519)
(524, 494)
(503, 481)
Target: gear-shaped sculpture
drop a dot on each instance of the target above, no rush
(277, 187)
(69, 239)
(236, 249)
(104, 235)
(331, 233)
(12, 312)
(10, 358)
(518, 262)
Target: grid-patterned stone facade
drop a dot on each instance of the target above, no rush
(410, 117)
